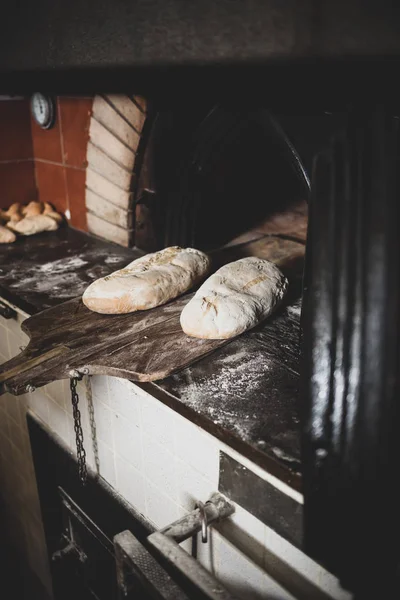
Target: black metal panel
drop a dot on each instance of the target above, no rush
(351, 340)
(268, 504)
(50, 35)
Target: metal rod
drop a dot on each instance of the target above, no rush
(215, 509)
(189, 569)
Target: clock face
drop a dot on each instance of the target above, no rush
(43, 110)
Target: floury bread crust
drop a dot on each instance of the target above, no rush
(236, 298)
(147, 282)
(6, 236)
(33, 224)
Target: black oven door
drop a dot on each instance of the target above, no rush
(351, 441)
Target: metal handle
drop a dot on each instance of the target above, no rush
(215, 509)
(188, 568)
(168, 572)
(204, 522)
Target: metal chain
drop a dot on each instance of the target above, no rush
(92, 423)
(80, 450)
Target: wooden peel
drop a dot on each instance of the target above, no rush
(141, 346)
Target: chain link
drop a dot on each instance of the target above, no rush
(92, 423)
(80, 450)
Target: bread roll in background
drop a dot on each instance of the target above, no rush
(236, 298)
(13, 213)
(33, 224)
(49, 211)
(32, 209)
(6, 236)
(147, 282)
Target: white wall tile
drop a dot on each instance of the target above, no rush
(159, 466)
(196, 448)
(14, 326)
(107, 463)
(58, 421)
(243, 577)
(99, 385)
(302, 564)
(191, 485)
(15, 343)
(245, 532)
(127, 441)
(158, 422)
(160, 509)
(130, 484)
(57, 391)
(39, 403)
(4, 347)
(103, 417)
(124, 400)
(15, 433)
(12, 407)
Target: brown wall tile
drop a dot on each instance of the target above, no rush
(15, 130)
(51, 185)
(75, 121)
(47, 142)
(17, 183)
(76, 180)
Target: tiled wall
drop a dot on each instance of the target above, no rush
(49, 165)
(160, 462)
(17, 172)
(19, 501)
(60, 158)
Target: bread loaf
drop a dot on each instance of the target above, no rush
(32, 225)
(148, 281)
(50, 212)
(32, 209)
(236, 298)
(13, 213)
(6, 236)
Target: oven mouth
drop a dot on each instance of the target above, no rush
(210, 175)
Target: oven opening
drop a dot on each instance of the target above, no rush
(216, 176)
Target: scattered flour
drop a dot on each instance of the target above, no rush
(62, 265)
(112, 259)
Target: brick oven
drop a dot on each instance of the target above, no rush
(241, 129)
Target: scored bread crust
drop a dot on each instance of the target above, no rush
(33, 224)
(236, 298)
(148, 281)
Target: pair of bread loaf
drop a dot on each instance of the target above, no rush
(33, 218)
(234, 299)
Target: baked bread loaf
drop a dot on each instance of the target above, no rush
(49, 210)
(236, 298)
(13, 213)
(148, 281)
(32, 209)
(6, 236)
(32, 225)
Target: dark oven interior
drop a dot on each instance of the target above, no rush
(211, 174)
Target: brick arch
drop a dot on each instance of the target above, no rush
(116, 127)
